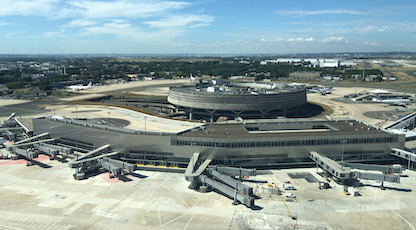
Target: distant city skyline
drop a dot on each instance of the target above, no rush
(209, 27)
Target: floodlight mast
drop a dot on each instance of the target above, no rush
(343, 142)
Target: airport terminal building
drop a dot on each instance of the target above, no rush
(249, 143)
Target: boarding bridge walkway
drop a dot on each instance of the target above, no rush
(26, 124)
(239, 186)
(343, 171)
(27, 153)
(14, 129)
(382, 168)
(99, 159)
(240, 172)
(61, 149)
(192, 174)
(409, 156)
(32, 143)
(35, 138)
(212, 176)
(229, 191)
(403, 122)
(116, 167)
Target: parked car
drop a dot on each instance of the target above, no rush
(290, 195)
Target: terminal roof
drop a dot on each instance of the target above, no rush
(284, 129)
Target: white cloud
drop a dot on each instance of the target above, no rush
(183, 20)
(117, 27)
(372, 43)
(14, 33)
(53, 34)
(89, 9)
(126, 30)
(118, 9)
(2, 23)
(316, 12)
(228, 44)
(301, 39)
(81, 23)
(186, 44)
(335, 40)
(366, 29)
(28, 7)
(272, 40)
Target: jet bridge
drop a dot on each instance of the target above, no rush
(409, 156)
(99, 158)
(116, 167)
(202, 175)
(343, 170)
(46, 148)
(9, 122)
(29, 154)
(28, 151)
(34, 138)
(229, 191)
(240, 172)
(193, 171)
(407, 122)
(39, 143)
(386, 169)
(10, 135)
(334, 168)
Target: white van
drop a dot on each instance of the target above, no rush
(288, 187)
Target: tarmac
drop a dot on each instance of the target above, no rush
(46, 196)
(353, 110)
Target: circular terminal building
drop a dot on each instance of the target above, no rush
(246, 100)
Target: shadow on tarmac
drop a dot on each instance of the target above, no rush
(40, 164)
(137, 175)
(389, 188)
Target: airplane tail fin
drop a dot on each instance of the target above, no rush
(89, 84)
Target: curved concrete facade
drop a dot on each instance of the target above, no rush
(283, 100)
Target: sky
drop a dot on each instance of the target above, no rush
(206, 26)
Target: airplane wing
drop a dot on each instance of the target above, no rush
(400, 104)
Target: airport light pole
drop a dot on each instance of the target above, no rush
(193, 160)
(145, 124)
(343, 142)
(76, 146)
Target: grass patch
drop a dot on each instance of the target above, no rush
(411, 86)
(63, 93)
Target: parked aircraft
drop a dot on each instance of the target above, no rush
(394, 101)
(325, 90)
(81, 87)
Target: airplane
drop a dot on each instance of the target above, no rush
(81, 87)
(395, 101)
(325, 90)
